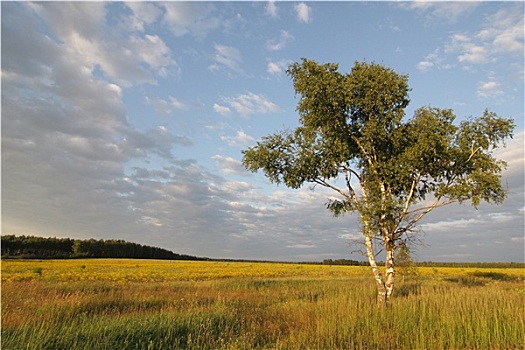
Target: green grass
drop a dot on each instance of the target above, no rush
(428, 312)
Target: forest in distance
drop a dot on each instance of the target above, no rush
(35, 247)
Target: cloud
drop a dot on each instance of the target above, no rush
(500, 38)
(441, 11)
(271, 9)
(447, 225)
(143, 13)
(425, 65)
(301, 246)
(158, 141)
(469, 52)
(303, 12)
(66, 139)
(222, 110)
(277, 67)
(87, 38)
(431, 60)
(250, 103)
(194, 18)
(229, 165)
(166, 107)
(152, 50)
(281, 42)
(503, 31)
(489, 89)
(227, 56)
(241, 139)
(74, 164)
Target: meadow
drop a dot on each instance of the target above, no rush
(153, 304)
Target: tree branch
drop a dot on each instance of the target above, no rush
(426, 210)
(411, 193)
(363, 151)
(349, 185)
(473, 151)
(322, 182)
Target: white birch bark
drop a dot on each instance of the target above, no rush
(377, 273)
(389, 265)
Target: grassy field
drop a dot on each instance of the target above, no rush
(148, 304)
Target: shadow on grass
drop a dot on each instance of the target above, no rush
(466, 281)
(478, 278)
(407, 289)
(495, 276)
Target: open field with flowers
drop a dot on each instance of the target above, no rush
(152, 304)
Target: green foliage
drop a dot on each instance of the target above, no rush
(344, 262)
(406, 266)
(353, 127)
(353, 130)
(55, 248)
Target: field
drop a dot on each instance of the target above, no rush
(151, 304)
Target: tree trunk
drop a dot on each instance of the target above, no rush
(385, 286)
(389, 266)
(381, 287)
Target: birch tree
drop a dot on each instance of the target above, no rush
(355, 139)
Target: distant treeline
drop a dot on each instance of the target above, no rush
(432, 264)
(32, 247)
(344, 262)
(470, 264)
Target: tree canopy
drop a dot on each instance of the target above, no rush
(355, 139)
(64, 248)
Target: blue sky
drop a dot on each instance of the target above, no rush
(127, 120)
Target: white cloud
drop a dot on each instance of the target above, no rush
(148, 220)
(222, 110)
(489, 89)
(448, 225)
(250, 103)
(152, 50)
(71, 151)
(274, 68)
(66, 140)
(271, 9)
(473, 54)
(190, 17)
(429, 61)
(233, 166)
(241, 139)
(144, 13)
(280, 43)
(469, 52)
(166, 107)
(227, 56)
(277, 67)
(88, 40)
(301, 246)
(450, 11)
(303, 12)
(499, 39)
(425, 65)
(504, 31)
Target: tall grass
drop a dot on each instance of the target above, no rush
(293, 312)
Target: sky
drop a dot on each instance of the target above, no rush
(127, 120)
